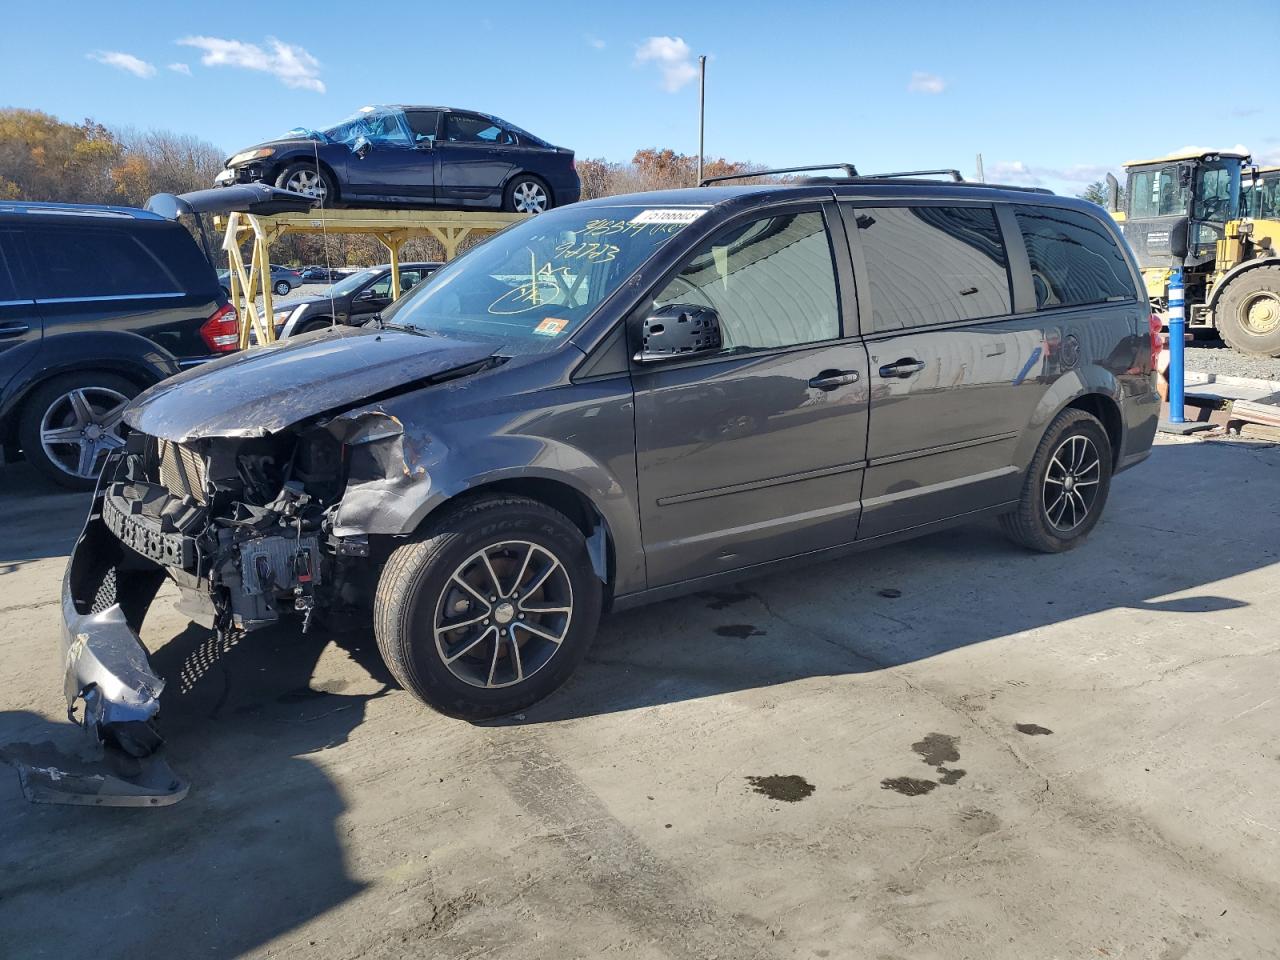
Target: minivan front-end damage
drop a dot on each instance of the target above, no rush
(250, 529)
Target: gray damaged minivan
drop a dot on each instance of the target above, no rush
(615, 402)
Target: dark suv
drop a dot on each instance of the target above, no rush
(96, 303)
(352, 300)
(620, 401)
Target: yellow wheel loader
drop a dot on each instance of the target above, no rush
(1217, 216)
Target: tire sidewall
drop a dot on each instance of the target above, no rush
(1228, 312)
(428, 673)
(330, 188)
(39, 402)
(1090, 427)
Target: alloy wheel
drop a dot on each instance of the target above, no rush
(81, 427)
(1071, 483)
(503, 614)
(529, 197)
(308, 182)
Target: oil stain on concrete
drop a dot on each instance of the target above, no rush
(789, 789)
(936, 750)
(1032, 729)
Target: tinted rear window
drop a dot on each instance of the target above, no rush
(928, 265)
(82, 261)
(1074, 258)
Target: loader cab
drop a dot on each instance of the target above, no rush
(1199, 190)
(1260, 193)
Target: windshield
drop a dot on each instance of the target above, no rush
(529, 288)
(1156, 192)
(348, 284)
(376, 124)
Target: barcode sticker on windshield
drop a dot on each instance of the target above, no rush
(668, 216)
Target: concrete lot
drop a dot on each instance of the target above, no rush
(1016, 756)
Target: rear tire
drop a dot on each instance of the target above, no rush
(1248, 312)
(527, 194)
(282, 288)
(1066, 485)
(71, 423)
(491, 610)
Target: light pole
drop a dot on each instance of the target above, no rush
(702, 109)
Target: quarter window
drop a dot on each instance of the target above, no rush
(95, 263)
(771, 281)
(928, 265)
(1074, 258)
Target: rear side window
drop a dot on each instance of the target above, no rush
(464, 128)
(928, 265)
(771, 281)
(8, 286)
(1074, 259)
(95, 262)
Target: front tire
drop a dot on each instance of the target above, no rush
(1248, 312)
(527, 194)
(1066, 486)
(71, 423)
(491, 610)
(307, 178)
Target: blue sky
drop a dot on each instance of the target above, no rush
(1053, 96)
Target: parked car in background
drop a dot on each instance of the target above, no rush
(417, 156)
(318, 274)
(284, 280)
(624, 400)
(96, 303)
(352, 300)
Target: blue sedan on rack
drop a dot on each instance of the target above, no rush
(415, 156)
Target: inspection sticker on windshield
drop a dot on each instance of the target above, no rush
(550, 327)
(685, 215)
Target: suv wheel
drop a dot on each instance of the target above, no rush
(1066, 485)
(71, 423)
(491, 610)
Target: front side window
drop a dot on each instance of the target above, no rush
(95, 263)
(1217, 190)
(1157, 192)
(464, 128)
(1074, 258)
(376, 124)
(529, 288)
(423, 124)
(771, 281)
(928, 265)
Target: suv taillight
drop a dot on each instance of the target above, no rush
(221, 332)
(1157, 341)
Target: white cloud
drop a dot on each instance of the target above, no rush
(595, 42)
(672, 57)
(929, 83)
(1192, 148)
(289, 63)
(181, 68)
(1028, 175)
(124, 61)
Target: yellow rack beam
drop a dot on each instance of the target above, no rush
(391, 227)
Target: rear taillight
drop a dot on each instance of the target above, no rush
(1157, 339)
(221, 332)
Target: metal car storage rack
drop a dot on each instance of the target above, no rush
(391, 227)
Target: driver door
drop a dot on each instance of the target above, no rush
(393, 167)
(755, 451)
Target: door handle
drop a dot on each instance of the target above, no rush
(831, 379)
(902, 368)
(13, 328)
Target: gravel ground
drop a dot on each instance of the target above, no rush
(1219, 358)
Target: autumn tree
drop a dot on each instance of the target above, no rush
(43, 158)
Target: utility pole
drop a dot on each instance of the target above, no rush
(702, 110)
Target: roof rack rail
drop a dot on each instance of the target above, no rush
(902, 174)
(849, 171)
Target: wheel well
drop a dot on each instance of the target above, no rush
(561, 497)
(9, 429)
(1105, 410)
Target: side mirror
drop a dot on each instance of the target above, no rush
(369, 294)
(678, 330)
(361, 147)
(1179, 239)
